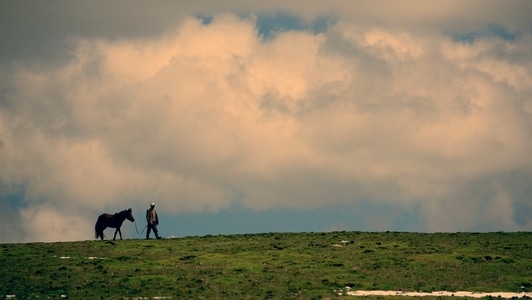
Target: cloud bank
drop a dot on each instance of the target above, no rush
(211, 113)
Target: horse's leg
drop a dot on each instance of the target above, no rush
(116, 231)
(120, 232)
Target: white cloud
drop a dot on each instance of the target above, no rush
(210, 114)
(49, 224)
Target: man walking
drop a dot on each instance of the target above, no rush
(153, 221)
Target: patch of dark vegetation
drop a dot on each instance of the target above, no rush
(278, 246)
(507, 260)
(336, 264)
(187, 257)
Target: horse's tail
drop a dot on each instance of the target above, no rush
(98, 229)
(97, 234)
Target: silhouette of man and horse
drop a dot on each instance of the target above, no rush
(113, 221)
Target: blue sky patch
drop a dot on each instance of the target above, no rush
(12, 196)
(361, 216)
(205, 20)
(269, 25)
(488, 31)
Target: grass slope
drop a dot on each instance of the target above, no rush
(268, 266)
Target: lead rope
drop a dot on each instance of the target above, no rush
(139, 233)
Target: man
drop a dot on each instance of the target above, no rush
(153, 221)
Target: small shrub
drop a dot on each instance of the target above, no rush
(507, 260)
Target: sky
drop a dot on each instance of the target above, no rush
(265, 116)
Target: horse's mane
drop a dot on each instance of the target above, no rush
(123, 212)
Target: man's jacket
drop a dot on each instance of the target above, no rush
(152, 218)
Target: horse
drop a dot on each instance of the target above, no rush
(114, 221)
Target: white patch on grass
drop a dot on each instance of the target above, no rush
(506, 295)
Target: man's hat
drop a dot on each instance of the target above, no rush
(152, 204)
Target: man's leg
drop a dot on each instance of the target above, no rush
(148, 232)
(156, 231)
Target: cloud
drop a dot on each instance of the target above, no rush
(50, 224)
(211, 114)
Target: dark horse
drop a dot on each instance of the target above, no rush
(113, 221)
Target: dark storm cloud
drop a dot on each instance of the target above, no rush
(41, 31)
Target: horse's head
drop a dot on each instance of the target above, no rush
(129, 215)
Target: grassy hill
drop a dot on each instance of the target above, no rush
(268, 266)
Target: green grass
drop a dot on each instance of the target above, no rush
(268, 266)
